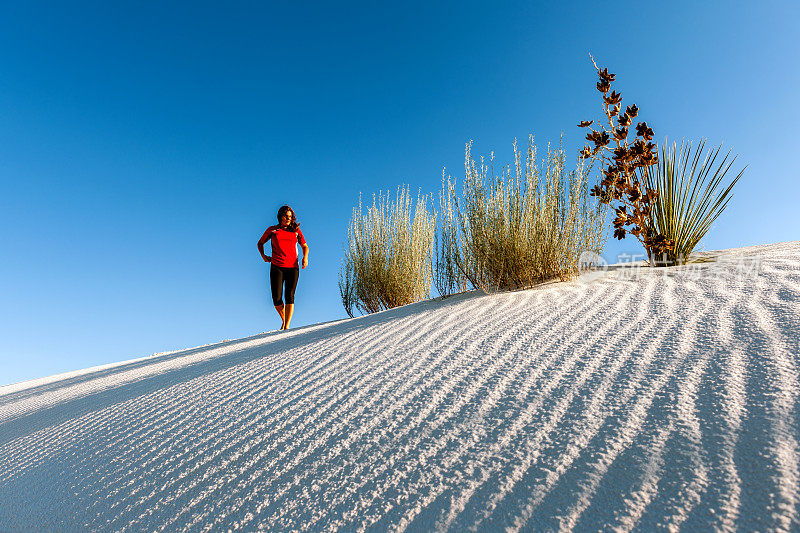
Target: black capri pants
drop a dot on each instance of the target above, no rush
(280, 277)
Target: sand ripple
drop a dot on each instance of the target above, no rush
(665, 399)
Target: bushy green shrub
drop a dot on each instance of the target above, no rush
(387, 256)
(690, 195)
(516, 229)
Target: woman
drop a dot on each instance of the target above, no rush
(285, 270)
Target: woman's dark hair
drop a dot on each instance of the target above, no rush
(294, 223)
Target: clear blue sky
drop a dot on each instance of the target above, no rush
(144, 147)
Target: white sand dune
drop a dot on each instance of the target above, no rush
(666, 398)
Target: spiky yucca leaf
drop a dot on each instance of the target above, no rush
(690, 194)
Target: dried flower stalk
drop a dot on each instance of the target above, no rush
(620, 158)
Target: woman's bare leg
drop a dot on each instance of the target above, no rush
(279, 309)
(287, 315)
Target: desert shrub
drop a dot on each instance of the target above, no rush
(388, 254)
(691, 195)
(515, 229)
(448, 275)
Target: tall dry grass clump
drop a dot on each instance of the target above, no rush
(388, 254)
(515, 229)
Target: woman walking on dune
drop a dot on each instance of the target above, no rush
(285, 269)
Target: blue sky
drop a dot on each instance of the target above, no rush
(145, 148)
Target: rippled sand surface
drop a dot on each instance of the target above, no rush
(642, 399)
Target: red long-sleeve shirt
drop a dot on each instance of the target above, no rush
(284, 245)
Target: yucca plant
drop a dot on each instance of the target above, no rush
(388, 254)
(691, 195)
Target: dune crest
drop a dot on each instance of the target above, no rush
(641, 398)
